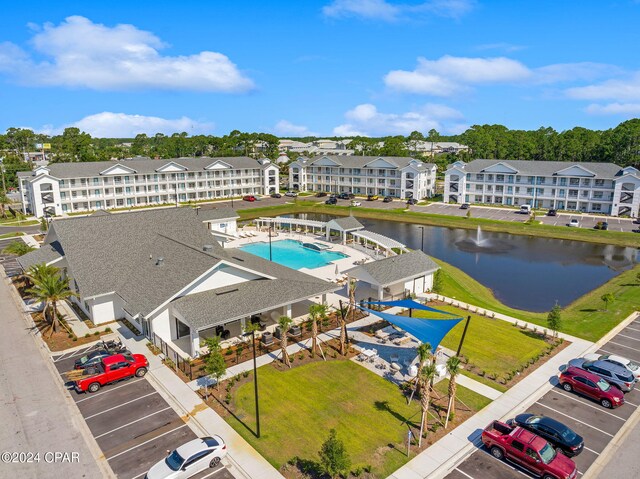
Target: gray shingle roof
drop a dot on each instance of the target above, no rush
(346, 223)
(356, 161)
(209, 308)
(545, 168)
(394, 269)
(142, 165)
(45, 254)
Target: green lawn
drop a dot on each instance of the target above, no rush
(584, 318)
(493, 345)
(299, 406)
(11, 235)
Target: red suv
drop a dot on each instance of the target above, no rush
(592, 386)
(249, 198)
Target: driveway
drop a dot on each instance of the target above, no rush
(8, 261)
(596, 424)
(133, 425)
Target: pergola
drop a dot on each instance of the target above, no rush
(279, 221)
(381, 241)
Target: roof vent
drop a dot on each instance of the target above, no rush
(160, 261)
(207, 247)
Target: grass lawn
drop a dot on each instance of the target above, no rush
(492, 345)
(584, 318)
(299, 406)
(11, 235)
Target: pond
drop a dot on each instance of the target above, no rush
(523, 272)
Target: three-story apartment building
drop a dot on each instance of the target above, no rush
(398, 177)
(585, 187)
(61, 188)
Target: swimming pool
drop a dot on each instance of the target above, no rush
(291, 253)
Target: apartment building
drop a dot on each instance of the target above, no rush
(399, 177)
(60, 188)
(585, 187)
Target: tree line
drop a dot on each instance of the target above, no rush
(620, 145)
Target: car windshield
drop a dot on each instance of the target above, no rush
(568, 435)
(84, 359)
(603, 385)
(632, 366)
(547, 453)
(174, 461)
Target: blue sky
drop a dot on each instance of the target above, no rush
(332, 67)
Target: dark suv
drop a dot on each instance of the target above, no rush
(614, 374)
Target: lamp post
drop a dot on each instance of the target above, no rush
(252, 330)
(270, 252)
(422, 238)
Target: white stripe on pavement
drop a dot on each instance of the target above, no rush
(623, 346)
(629, 337)
(601, 408)
(591, 450)
(120, 405)
(222, 469)
(576, 420)
(132, 422)
(95, 395)
(464, 473)
(145, 442)
(633, 329)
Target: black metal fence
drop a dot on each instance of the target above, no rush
(172, 358)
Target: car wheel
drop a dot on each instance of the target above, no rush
(93, 387)
(214, 462)
(141, 372)
(567, 387)
(497, 452)
(605, 403)
(547, 476)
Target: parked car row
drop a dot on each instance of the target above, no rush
(190, 459)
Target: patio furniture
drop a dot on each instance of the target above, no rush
(255, 319)
(394, 357)
(395, 366)
(402, 340)
(223, 333)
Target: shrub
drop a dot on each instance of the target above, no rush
(357, 472)
(87, 335)
(245, 374)
(482, 373)
(515, 324)
(227, 398)
(228, 353)
(367, 468)
(69, 335)
(97, 333)
(107, 330)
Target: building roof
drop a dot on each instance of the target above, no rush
(544, 168)
(394, 268)
(144, 165)
(47, 253)
(218, 306)
(149, 256)
(345, 223)
(357, 161)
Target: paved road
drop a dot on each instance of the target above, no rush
(35, 413)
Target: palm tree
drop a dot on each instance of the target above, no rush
(50, 290)
(426, 378)
(453, 368)
(38, 272)
(351, 285)
(18, 248)
(317, 312)
(284, 322)
(424, 354)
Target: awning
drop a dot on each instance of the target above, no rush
(430, 331)
(377, 238)
(410, 304)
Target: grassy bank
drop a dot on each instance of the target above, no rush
(544, 231)
(584, 318)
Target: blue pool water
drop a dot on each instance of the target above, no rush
(291, 253)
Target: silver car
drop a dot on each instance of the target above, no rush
(615, 374)
(632, 367)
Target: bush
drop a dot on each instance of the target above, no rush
(69, 335)
(97, 333)
(87, 335)
(482, 373)
(107, 330)
(74, 339)
(245, 374)
(227, 398)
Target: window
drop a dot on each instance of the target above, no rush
(96, 181)
(518, 446)
(500, 178)
(480, 177)
(596, 207)
(599, 183)
(532, 454)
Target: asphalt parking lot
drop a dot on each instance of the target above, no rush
(133, 425)
(9, 261)
(507, 214)
(594, 423)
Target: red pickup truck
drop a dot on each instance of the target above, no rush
(111, 369)
(528, 451)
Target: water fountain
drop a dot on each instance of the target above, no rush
(479, 239)
(479, 244)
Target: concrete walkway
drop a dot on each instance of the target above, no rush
(478, 387)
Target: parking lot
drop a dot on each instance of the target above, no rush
(133, 425)
(508, 214)
(594, 423)
(9, 261)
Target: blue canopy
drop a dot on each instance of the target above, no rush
(430, 331)
(409, 304)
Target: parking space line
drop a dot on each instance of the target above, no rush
(73, 354)
(94, 395)
(591, 450)
(631, 404)
(576, 420)
(139, 476)
(120, 405)
(623, 346)
(463, 473)
(507, 463)
(633, 329)
(133, 422)
(145, 442)
(628, 337)
(589, 405)
(223, 468)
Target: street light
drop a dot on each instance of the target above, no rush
(251, 329)
(422, 240)
(270, 230)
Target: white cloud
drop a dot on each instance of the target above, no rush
(616, 89)
(624, 109)
(506, 47)
(80, 53)
(391, 12)
(121, 125)
(366, 120)
(573, 72)
(286, 128)
(449, 75)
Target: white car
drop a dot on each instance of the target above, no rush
(356, 203)
(574, 222)
(633, 368)
(293, 194)
(190, 459)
